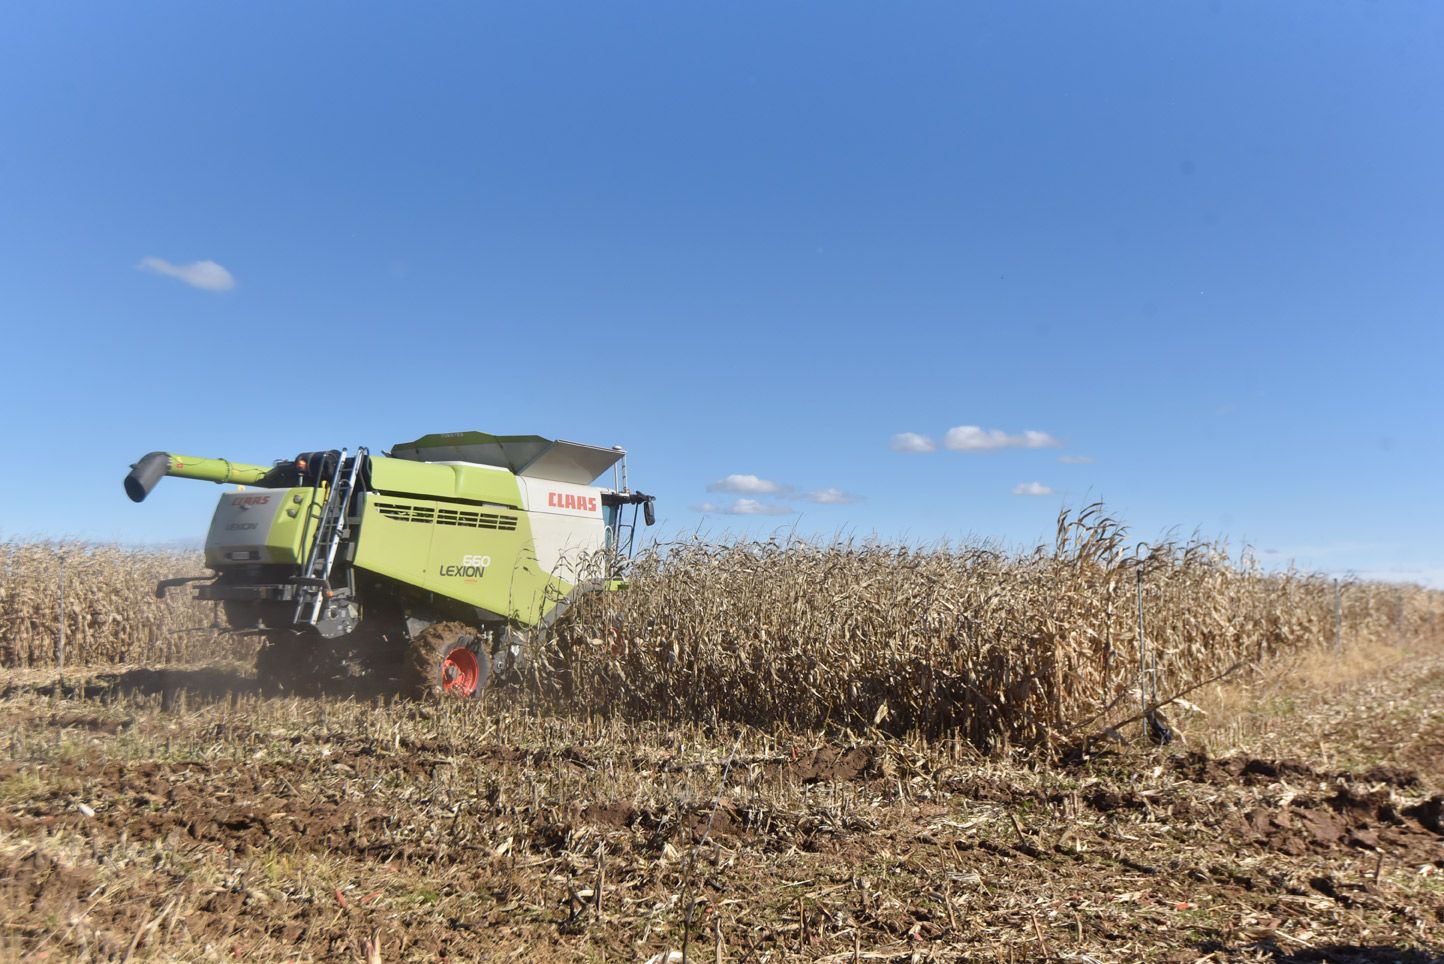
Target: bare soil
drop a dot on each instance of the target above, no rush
(180, 815)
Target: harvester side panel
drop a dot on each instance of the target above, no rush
(478, 555)
(395, 537)
(488, 558)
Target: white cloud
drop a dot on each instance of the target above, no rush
(1076, 459)
(973, 438)
(1334, 549)
(832, 496)
(753, 507)
(1432, 578)
(912, 442)
(206, 275)
(748, 484)
(1031, 488)
(744, 507)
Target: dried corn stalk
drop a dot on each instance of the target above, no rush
(111, 613)
(1003, 648)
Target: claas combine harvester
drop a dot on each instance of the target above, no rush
(429, 568)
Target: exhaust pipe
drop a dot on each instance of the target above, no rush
(145, 474)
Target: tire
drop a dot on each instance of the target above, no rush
(448, 659)
(287, 667)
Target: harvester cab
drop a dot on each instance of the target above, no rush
(424, 566)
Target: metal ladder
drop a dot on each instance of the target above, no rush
(315, 581)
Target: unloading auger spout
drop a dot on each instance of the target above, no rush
(146, 473)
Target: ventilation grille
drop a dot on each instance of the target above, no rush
(401, 512)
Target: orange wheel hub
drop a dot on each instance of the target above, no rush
(460, 672)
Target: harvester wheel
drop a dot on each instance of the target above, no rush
(449, 659)
(286, 667)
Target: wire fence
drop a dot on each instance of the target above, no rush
(1380, 611)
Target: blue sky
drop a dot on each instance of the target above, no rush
(1197, 247)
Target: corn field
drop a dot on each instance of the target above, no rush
(111, 613)
(1001, 648)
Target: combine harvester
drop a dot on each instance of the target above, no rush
(429, 567)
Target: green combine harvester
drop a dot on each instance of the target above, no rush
(429, 567)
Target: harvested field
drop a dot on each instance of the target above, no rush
(759, 752)
(179, 816)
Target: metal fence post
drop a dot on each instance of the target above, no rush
(1338, 618)
(1142, 650)
(60, 643)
